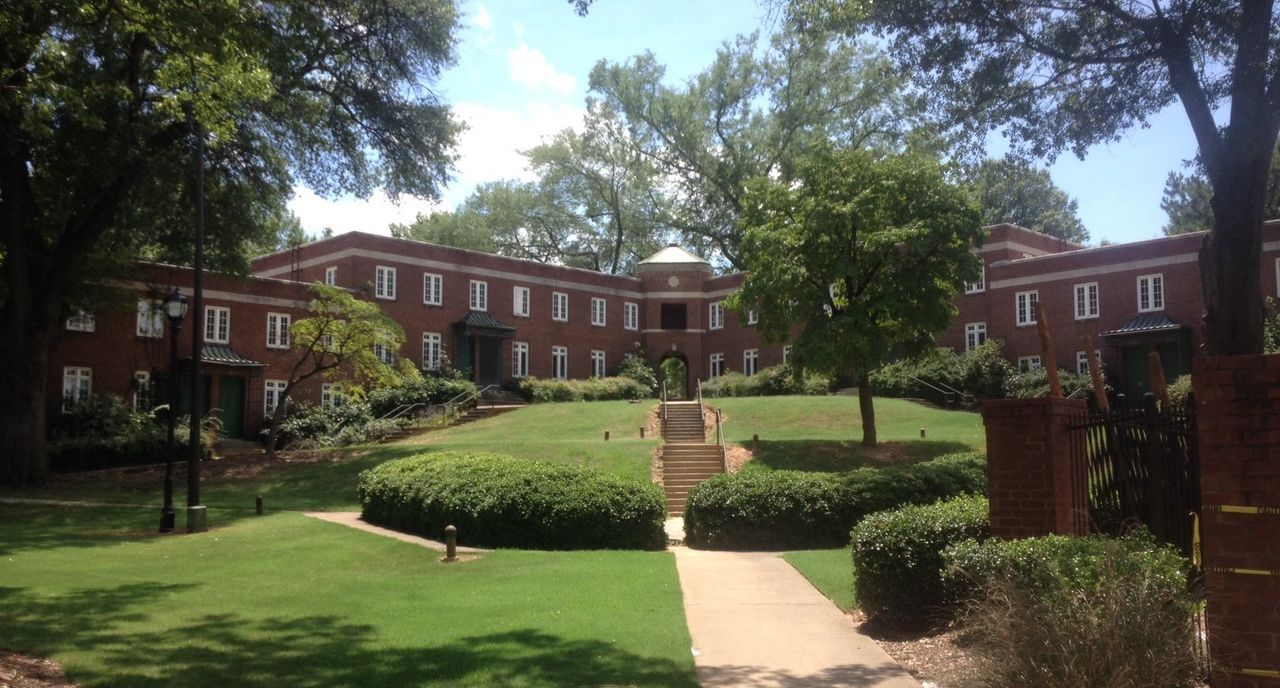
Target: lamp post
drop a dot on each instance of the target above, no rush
(175, 307)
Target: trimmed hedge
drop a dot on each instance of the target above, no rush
(500, 501)
(799, 510)
(897, 555)
(591, 389)
(772, 381)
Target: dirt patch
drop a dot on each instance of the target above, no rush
(24, 671)
(736, 456)
(937, 656)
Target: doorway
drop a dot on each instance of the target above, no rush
(674, 370)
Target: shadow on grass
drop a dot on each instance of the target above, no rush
(301, 651)
(839, 456)
(41, 526)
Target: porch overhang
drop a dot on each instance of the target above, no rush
(481, 324)
(225, 356)
(1146, 327)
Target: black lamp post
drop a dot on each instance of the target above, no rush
(175, 307)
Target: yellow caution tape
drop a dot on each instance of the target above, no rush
(1195, 539)
(1234, 509)
(1264, 673)
(1243, 572)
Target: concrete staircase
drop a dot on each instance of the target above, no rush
(686, 457)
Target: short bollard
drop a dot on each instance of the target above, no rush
(921, 433)
(257, 503)
(606, 435)
(450, 543)
(755, 443)
(641, 432)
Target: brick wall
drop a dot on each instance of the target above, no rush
(1238, 418)
(1035, 484)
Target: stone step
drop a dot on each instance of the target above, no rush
(691, 471)
(712, 451)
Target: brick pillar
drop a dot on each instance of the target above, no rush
(1036, 484)
(1238, 424)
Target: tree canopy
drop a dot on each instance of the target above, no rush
(863, 254)
(1187, 199)
(1014, 191)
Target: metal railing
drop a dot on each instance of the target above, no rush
(664, 401)
(950, 395)
(724, 450)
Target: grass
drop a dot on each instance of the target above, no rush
(829, 570)
(287, 600)
(824, 433)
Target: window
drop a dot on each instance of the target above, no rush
(717, 316)
(272, 395)
(432, 289)
(786, 354)
(974, 335)
(77, 383)
(559, 306)
(384, 283)
(384, 353)
(143, 391)
(479, 295)
(750, 361)
(981, 284)
(217, 324)
(81, 321)
(630, 316)
(717, 365)
(559, 362)
(519, 359)
(1150, 293)
(331, 395)
(1028, 363)
(597, 364)
(431, 350)
(1086, 301)
(1082, 361)
(673, 316)
(331, 276)
(1025, 313)
(520, 301)
(278, 331)
(150, 318)
(753, 317)
(597, 312)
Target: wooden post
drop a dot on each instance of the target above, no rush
(1095, 375)
(450, 543)
(257, 502)
(755, 443)
(641, 432)
(606, 435)
(1158, 386)
(1048, 360)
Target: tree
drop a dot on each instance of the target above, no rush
(1071, 73)
(1010, 190)
(863, 253)
(337, 341)
(1187, 199)
(94, 141)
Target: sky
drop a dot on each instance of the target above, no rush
(521, 76)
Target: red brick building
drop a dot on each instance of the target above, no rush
(505, 318)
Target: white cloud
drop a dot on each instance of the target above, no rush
(482, 22)
(346, 214)
(530, 68)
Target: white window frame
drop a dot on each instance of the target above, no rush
(217, 324)
(520, 301)
(432, 289)
(271, 392)
(1085, 301)
(715, 319)
(432, 350)
(153, 311)
(717, 366)
(1025, 313)
(598, 316)
(981, 285)
(142, 403)
(630, 316)
(82, 321)
(750, 361)
(331, 275)
(559, 306)
(331, 394)
(1082, 361)
(519, 359)
(384, 353)
(478, 295)
(560, 362)
(598, 368)
(384, 282)
(786, 354)
(77, 385)
(753, 317)
(1027, 364)
(278, 330)
(973, 332)
(1155, 292)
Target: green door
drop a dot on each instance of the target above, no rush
(231, 402)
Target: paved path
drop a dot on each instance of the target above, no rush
(756, 621)
(351, 519)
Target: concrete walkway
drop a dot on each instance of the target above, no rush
(351, 519)
(756, 621)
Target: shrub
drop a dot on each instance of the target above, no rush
(427, 390)
(105, 432)
(980, 372)
(1063, 612)
(897, 556)
(1180, 392)
(772, 381)
(592, 389)
(501, 501)
(1035, 383)
(795, 509)
(638, 369)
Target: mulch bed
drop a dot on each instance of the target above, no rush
(24, 671)
(936, 657)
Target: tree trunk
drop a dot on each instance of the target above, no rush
(866, 407)
(1229, 260)
(23, 458)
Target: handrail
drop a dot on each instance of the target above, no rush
(664, 400)
(724, 451)
(702, 416)
(947, 391)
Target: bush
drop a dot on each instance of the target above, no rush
(1062, 612)
(772, 381)
(897, 556)
(592, 389)
(980, 372)
(501, 501)
(105, 432)
(638, 369)
(1035, 383)
(796, 510)
(427, 390)
(311, 426)
(1180, 392)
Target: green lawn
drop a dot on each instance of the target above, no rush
(824, 433)
(284, 600)
(830, 571)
